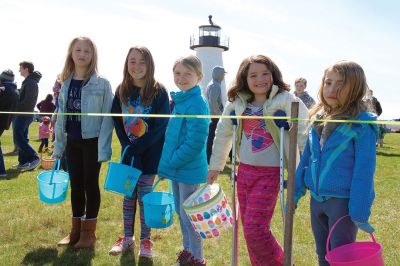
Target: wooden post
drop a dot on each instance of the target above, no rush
(288, 230)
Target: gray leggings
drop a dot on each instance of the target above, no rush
(323, 216)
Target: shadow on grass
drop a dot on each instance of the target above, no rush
(382, 153)
(127, 258)
(69, 256)
(145, 262)
(11, 174)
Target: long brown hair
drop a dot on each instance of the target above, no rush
(240, 82)
(69, 66)
(151, 87)
(354, 79)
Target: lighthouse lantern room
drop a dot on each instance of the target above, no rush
(209, 46)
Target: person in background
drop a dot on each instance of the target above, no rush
(27, 157)
(184, 158)
(86, 139)
(139, 93)
(338, 163)
(300, 91)
(8, 103)
(44, 133)
(46, 106)
(213, 94)
(376, 105)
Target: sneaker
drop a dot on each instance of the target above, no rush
(184, 257)
(196, 262)
(3, 175)
(32, 165)
(145, 249)
(122, 245)
(21, 166)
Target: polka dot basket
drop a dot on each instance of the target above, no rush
(208, 211)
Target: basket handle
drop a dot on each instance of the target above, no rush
(199, 192)
(154, 186)
(123, 154)
(330, 233)
(56, 167)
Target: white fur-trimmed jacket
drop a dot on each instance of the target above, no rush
(276, 101)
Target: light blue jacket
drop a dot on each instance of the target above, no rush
(184, 156)
(343, 168)
(96, 97)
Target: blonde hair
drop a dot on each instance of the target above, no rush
(240, 82)
(355, 81)
(151, 87)
(69, 66)
(302, 80)
(192, 62)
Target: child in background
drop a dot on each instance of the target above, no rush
(44, 133)
(184, 158)
(338, 163)
(258, 90)
(86, 139)
(139, 93)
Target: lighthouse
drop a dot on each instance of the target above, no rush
(209, 47)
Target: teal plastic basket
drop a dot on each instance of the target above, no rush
(53, 185)
(122, 178)
(159, 208)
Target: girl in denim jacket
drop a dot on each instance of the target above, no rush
(86, 139)
(338, 163)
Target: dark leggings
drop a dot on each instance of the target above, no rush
(45, 143)
(84, 172)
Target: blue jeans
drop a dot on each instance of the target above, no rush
(21, 124)
(323, 216)
(191, 240)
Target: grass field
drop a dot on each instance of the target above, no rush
(30, 229)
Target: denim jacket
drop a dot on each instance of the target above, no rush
(96, 97)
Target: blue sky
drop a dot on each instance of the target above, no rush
(302, 37)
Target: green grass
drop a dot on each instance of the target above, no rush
(30, 229)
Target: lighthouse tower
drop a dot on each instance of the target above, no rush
(209, 47)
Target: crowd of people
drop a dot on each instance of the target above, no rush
(190, 151)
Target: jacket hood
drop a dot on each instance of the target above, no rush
(218, 73)
(9, 84)
(368, 116)
(180, 96)
(35, 76)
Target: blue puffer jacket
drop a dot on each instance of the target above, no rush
(184, 156)
(344, 168)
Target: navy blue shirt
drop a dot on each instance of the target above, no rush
(74, 106)
(145, 135)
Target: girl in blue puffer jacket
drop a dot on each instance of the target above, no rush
(338, 162)
(184, 159)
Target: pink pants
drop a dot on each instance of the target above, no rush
(258, 189)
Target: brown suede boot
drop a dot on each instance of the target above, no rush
(87, 237)
(73, 237)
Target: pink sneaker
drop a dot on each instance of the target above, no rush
(122, 245)
(146, 248)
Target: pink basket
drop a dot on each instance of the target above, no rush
(354, 254)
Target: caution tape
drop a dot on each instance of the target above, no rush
(288, 118)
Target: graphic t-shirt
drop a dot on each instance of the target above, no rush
(74, 106)
(135, 127)
(257, 146)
